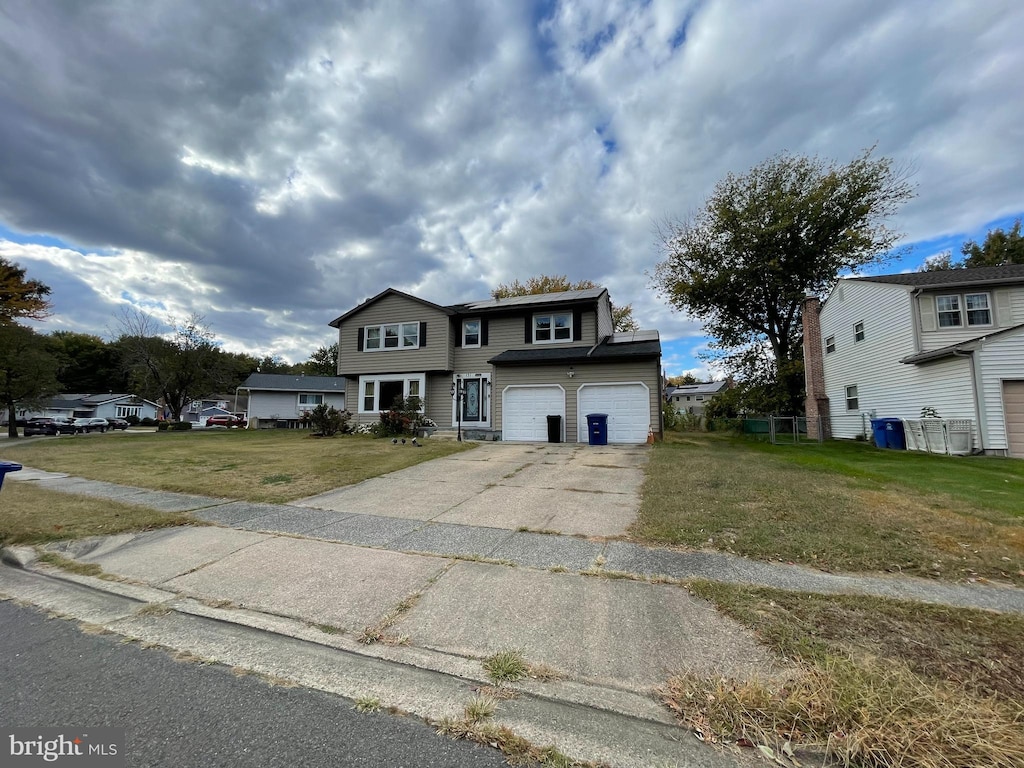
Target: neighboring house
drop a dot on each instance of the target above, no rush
(501, 367)
(277, 399)
(106, 406)
(693, 398)
(198, 411)
(951, 340)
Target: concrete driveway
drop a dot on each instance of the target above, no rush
(570, 489)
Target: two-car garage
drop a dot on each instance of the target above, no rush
(525, 411)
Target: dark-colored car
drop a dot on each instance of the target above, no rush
(225, 421)
(43, 425)
(117, 424)
(87, 424)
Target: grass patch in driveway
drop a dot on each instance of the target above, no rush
(879, 682)
(250, 465)
(840, 506)
(34, 515)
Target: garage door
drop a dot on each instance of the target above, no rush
(628, 407)
(1013, 406)
(525, 411)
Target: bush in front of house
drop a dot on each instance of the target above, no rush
(328, 421)
(148, 422)
(132, 420)
(403, 418)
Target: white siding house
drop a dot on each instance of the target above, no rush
(282, 398)
(951, 340)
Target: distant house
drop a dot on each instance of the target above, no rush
(892, 345)
(198, 411)
(693, 398)
(104, 406)
(277, 399)
(516, 369)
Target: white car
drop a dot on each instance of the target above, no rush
(91, 425)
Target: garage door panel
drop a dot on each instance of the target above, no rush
(1013, 410)
(628, 408)
(525, 412)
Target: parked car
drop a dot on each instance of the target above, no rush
(225, 421)
(44, 425)
(117, 424)
(91, 425)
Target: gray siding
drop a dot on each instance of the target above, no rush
(439, 400)
(647, 372)
(1006, 306)
(510, 333)
(285, 405)
(394, 309)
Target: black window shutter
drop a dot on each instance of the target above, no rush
(577, 325)
(423, 334)
(483, 332)
(359, 341)
(529, 330)
(458, 332)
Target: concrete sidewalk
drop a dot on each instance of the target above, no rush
(292, 591)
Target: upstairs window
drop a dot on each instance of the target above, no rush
(948, 308)
(552, 328)
(392, 336)
(471, 333)
(830, 344)
(858, 331)
(978, 311)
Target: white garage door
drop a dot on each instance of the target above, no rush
(1013, 404)
(525, 411)
(628, 407)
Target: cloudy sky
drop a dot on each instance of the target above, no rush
(271, 164)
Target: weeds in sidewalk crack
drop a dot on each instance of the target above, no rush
(69, 565)
(378, 633)
(366, 704)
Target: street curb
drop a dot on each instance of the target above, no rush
(583, 720)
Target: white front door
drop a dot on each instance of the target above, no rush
(471, 405)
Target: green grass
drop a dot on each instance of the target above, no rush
(33, 515)
(270, 466)
(838, 506)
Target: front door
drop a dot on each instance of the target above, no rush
(474, 404)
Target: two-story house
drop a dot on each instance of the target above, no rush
(892, 345)
(694, 398)
(501, 367)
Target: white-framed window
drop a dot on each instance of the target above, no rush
(471, 333)
(310, 399)
(391, 336)
(948, 308)
(858, 331)
(830, 345)
(551, 328)
(852, 400)
(378, 393)
(979, 311)
(124, 411)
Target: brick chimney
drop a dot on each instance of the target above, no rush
(816, 403)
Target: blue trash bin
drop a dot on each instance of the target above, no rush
(895, 438)
(5, 467)
(597, 428)
(878, 432)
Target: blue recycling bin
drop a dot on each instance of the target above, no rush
(888, 433)
(597, 428)
(5, 467)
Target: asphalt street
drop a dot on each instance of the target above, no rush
(183, 714)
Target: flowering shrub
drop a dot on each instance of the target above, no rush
(403, 418)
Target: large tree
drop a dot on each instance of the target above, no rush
(323, 362)
(999, 247)
(622, 317)
(28, 372)
(19, 297)
(765, 239)
(87, 363)
(180, 366)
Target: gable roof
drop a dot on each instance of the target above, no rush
(290, 383)
(961, 346)
(948, 278)
(336, 322)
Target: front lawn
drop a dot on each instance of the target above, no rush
(840, 505)
(271, 466)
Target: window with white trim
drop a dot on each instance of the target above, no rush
(548, 329)
(124, 411)
(978, 310)
(471, 333)
(852, 400)
(858, 331)
(310, 399)
(391, 336)
(378, 393)
(830, 344)
(948, 308)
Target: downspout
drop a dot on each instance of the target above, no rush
(978, 396)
